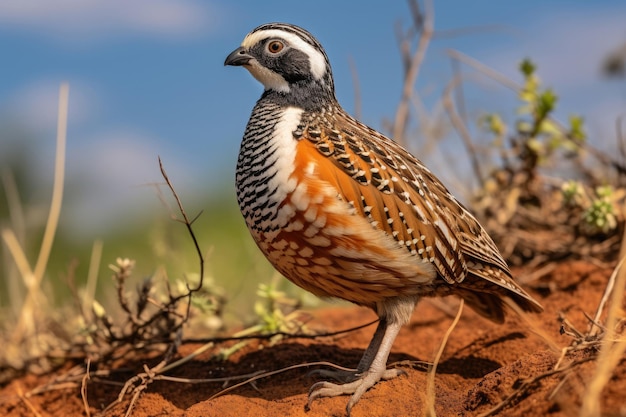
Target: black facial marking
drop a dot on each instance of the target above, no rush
(293, 65)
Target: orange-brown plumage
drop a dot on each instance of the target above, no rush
(367, 271)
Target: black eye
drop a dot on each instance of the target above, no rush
(275, 47)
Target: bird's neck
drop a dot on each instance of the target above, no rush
(308, 96)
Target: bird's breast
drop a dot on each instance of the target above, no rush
(307, 229)
(265, 166)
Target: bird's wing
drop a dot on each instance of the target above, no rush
(401, 197)
(397, 194)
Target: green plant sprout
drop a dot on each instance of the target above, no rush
(537, 135)
(600, 215)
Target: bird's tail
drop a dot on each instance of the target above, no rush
(492, 306)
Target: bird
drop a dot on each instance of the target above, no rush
(343, 211)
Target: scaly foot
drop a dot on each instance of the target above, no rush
(358, 386)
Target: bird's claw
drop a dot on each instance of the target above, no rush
(357, 387)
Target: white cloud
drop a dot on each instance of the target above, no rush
(109, 174)
(117, 159)
(36, 104)
(112, 176)
(80, 20)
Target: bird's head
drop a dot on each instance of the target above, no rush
(286, 59)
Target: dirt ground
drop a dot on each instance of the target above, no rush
(483, 363)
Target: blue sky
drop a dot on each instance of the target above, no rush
(147, 78)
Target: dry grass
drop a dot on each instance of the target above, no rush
(41, 338)
(613, 342)
(26, 341)
(430, 382)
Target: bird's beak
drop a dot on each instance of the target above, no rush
(238, 57)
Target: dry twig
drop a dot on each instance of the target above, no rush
(430, 382)
(423, 24)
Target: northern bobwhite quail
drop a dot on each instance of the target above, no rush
(343, 211)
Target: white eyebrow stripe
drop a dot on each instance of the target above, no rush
(316, 58)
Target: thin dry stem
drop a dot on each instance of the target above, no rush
(189, 357)
(225, 379)
(427, 25)
(57, 187)
(27, 402)
(612, 350)
(609, 292)
(461, 128)
(280, 333)
(92, 279)
(19, 257)
(26, 322)
(430, 381)
(83, 389)
(484, 69)
(459, 95)
(611, 354)
(14, 204)
(15, 291)
(188, 223)
(266, 374)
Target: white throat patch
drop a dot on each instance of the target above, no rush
(269, 79)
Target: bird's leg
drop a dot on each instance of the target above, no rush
(374, 346)
(365, 362)
(372, 367)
